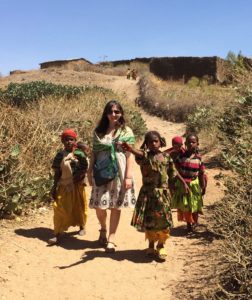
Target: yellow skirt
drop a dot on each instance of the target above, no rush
(157, 236)
(70, 207)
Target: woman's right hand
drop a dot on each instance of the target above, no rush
(128, 183)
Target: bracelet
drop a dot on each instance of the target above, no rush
(128, 178)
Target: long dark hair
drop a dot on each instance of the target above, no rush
(104, 121)
(149, 136)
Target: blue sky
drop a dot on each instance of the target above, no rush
(37, 31)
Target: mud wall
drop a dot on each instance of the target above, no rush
(127, 61)
(66, 64)
(177, 68)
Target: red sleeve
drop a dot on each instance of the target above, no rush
(169, 150)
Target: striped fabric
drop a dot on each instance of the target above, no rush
(190, 165)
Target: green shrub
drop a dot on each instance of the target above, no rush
(21, 94)
(193, 82)
(236, 126)
(201, 118)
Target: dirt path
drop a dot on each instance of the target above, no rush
(79, 268)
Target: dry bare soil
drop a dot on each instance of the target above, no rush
(79, 268)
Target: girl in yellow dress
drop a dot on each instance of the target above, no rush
(70, 204)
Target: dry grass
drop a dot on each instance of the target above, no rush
(232, 217)
(174, 100)
(58, 76)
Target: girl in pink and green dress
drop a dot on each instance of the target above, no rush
(191, 168)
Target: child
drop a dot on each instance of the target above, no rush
(68, 192)
(191, 168)
(152, 212)
(83, 147)
(81, 153)
(134, 74)
(177, 147)
(128, 73)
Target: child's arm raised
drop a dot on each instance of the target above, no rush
(126, 147)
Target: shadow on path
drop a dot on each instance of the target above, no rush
(67, 241)
(136, 256)
(201, 233)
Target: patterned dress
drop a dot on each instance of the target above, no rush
(153, 208)
(113, 194)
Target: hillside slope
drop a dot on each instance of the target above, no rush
(79, 268)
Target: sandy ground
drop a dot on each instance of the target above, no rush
(79, 268)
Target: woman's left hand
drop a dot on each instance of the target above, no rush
(128, 183)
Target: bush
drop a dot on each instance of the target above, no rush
(232, 217)
(201, 118)
(193, 82)
(21, 94)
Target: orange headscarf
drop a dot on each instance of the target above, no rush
(68, 132)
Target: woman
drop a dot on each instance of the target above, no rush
(118, 192)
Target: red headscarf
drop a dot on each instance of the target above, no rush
(177, 140)
(68, 132)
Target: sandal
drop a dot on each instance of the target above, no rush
(110, 248)
(82, 231)
(189, 227)
(161, 253)
(53, 241)
(103, 241)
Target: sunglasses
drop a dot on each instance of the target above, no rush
(116, 112)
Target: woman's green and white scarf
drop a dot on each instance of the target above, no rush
(122, 135)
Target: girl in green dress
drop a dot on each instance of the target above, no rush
(152, 213)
